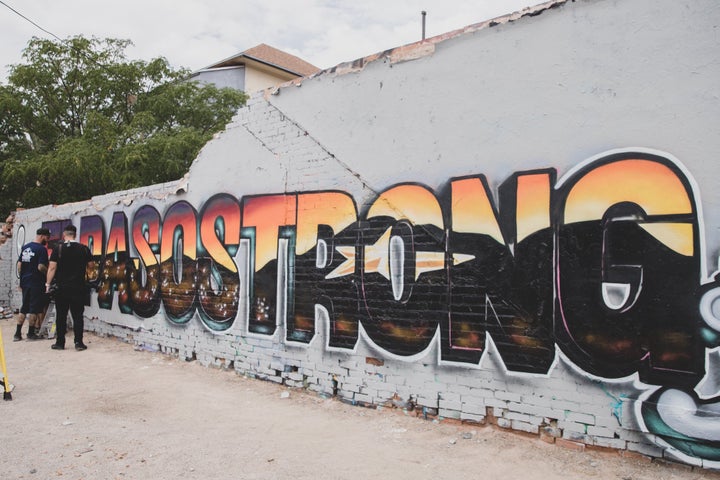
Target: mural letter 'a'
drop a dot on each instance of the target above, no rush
(113, 273)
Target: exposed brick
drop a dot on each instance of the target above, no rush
(472, 418)
(614, 443)
(503, 423)
(645, 448)
(453, 414)
(450, 405)
(524, 426)
(374, 361)
(577, 446)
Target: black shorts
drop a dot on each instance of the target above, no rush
(34, 300)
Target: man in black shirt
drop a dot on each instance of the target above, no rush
(68, 264)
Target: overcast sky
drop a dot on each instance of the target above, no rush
(197, 33)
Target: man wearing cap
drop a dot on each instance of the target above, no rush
(68, 264)
(32, 267)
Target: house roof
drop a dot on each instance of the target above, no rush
(270, 56)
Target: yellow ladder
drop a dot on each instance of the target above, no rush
(7, 388)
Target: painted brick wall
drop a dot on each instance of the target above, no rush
(7, 274)
(515, 223)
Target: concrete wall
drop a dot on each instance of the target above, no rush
(516, 223)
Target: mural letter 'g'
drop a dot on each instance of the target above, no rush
(628, 271)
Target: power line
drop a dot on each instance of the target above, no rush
(72, 47)
(88, 58)
(27, 19)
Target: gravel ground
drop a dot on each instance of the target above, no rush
(115, 413)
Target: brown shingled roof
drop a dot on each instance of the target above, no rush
(271, 56)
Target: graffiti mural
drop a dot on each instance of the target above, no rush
(604, 266)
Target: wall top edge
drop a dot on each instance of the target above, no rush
(416, 50)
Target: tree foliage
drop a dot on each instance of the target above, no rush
(78, 119)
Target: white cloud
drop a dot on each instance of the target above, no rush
(195, 33)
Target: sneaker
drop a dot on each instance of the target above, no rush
(32, 336)
(56, 346)
(80, 346)
(17, 337)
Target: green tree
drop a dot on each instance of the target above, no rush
(78, 119)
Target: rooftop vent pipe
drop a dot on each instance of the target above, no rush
(424, 14)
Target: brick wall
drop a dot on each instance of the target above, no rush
(512, 224)
(7, 278)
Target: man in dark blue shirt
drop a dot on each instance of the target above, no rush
(32, 266)
(68, 264)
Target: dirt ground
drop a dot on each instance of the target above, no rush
(115, 413)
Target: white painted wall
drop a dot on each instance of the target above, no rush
(543, 91)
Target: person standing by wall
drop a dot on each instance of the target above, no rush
(68, 264)
(32, 266)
